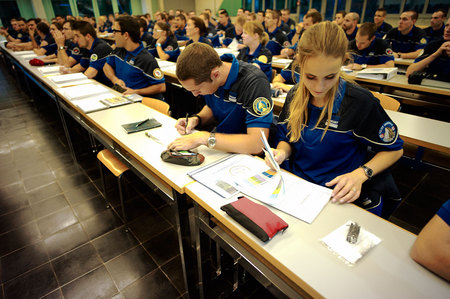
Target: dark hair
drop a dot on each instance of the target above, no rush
(200, 25)
(60, 16)
(84, 28)
(342, 12)
(414, 15)
(316, 17)
(58, 25)
(383, 10)
(444, 13)
(70, 22)
(21, 19)
(224, 12)
(181, 16)
(275, 14)
(263, 13)
(166, 27)
(196, 62)
(368, 29)
(43, 28)
(142, 23)
(171, 18)
(130, 25)
(32, 20)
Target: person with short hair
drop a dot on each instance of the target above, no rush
(237, 96)
(309, 19)
(251, 17)
(164, 45)
(234, 32)
(240, 12)
(196, 31)
(224, 21)
(382, 26)
(350, 25)
(407, 40)
(432, 246)
(68, 52)
(95, 53)
(436, 28)
(339, 17)
(210, 28)
(22, 35)
(47, 45)
(180, 32)
(327, 123)
(60, 19)
(277, 39)
(255, 52)
(130, 65)
(368, 51)
(286, 19)
(145, 37)
(261, 17)
(435, 59)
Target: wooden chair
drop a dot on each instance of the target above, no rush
(387, 102)
(117, 168)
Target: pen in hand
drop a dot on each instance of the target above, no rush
(186, 123)
(141, 123)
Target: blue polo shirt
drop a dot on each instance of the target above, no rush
(440, 66)
(286, 73)
(383, 29)
(377, 52)
(407, 43)
(243, 101)
(95, 57)
(202, 39)
(138, 68)
(170, 47)
(180, 34)
(277, 41)
(434, 34)
(262, 57)
(230, 34)
(444, 212)
(51, 46)
(352, 36)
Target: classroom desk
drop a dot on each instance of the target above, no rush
(311, 270)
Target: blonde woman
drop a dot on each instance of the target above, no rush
(329, 122)
(255, 51)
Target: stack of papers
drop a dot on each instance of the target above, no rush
(377, 73)
(76, 93)
(47, 70)
(21, 53)
(96, 102)
(68, 78)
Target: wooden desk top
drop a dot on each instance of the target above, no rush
(386, 272)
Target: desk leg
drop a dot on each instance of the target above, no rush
(184, 242)
(198, 251)
(66, 131)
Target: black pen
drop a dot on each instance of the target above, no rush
(141, 123)
(186, 123)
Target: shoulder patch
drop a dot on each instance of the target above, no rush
(76, 50)
(144, 43)
(20, 35)
(292, 27)
(387, 132)
(157, 73)
(261, 106)
(263, 58)
(169, 48)
(94, 57)
(286, 44)
(423, 40)
(389, 51)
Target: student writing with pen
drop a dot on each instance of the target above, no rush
(237, 96)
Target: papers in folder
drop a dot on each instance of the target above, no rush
(78, 92)
(377, 73)
(251, 176)
(68, 78)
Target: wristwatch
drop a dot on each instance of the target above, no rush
(158, 45)
(61, 48)
(367, 171)
(364, 66)
(212, 140)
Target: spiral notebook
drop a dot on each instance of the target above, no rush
(141, 125)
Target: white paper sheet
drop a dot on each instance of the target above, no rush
(86, 90)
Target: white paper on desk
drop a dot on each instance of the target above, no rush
(67, 78)
(377, 73)
(29, 56)
(90, 105)
(45, 70)
(27, 52)
(86, 90)
(281, 60)
(233, 45)
(75, 83)
(164, 63)
(253, 177)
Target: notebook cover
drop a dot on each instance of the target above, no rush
(149, 124)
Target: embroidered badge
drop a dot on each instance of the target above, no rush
(157, 73)
(423, 40)
(169, 48)
(19, 35)
(286, 44)
(389, 51)
(76, 50)
(94, 57)
(292, 27)
(144, 43)
(131, 61)
(261, 106)
(263, 58)
(387, 132)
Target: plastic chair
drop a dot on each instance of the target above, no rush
(115, 166)
(387, 102)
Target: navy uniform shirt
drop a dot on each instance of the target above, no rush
(95, 57)
(202, 39)
(74, 51)
(410, 42)
(224, 28)
(243, 101)
(23, 36)
(434, 34)
(146, 39)
(262, 57)
(230, 34)
(212, 35)
(383, 30)
(180, 34)
(277, 41)
(287, 75)
(352, 36)
(439, 66)
(358, 120)
(138, 68)
(170, 47)
(377, 52)
(51, 46)
(13, 33)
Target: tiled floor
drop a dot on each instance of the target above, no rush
(58, 239)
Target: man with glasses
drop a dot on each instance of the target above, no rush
(94, 58)
(69, 53)
(382, 26)
(130, 65)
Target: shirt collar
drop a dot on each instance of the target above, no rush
(232, 75)
(339, 95)
(256, 53)
(136, 51)
(93, 45)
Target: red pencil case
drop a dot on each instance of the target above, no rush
(258, 219)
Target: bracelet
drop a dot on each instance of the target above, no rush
(199, 120)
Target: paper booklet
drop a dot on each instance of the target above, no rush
(97, 102)
(67, 78)
(377, 73)
(86, 90)
(46, 70)
(251, 176)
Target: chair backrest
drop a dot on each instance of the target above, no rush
(156, 104)
(387, 102)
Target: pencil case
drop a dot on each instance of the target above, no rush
(256, 218)
(185, 158)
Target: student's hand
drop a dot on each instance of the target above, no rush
(129, 90)
(286, 52)
(120, 82)
(444, 48)
(190, 141)
(299, 28)
(396, 55)
(58, 37)
(43, 43)
(181, 125)
(356, 67)
(279, 155)
(347, 187)
(64, 70)
(281, 86)
(31, 32)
